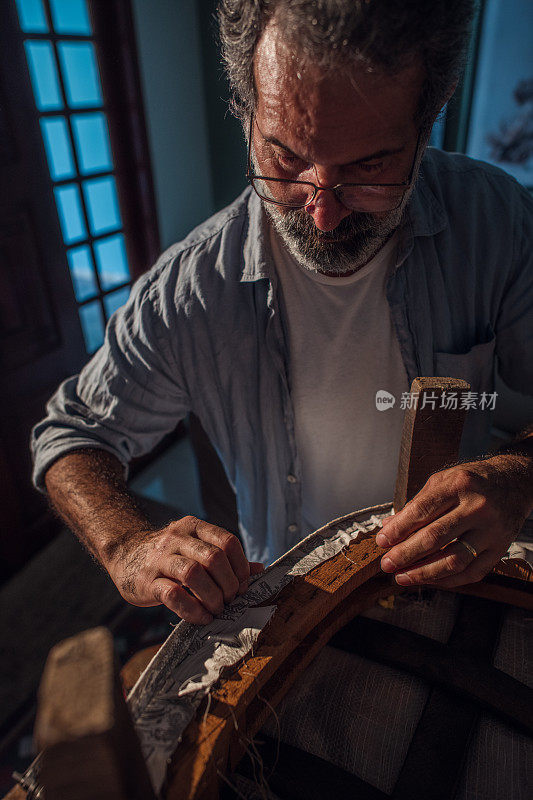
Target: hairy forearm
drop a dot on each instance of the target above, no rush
(88, 491)
(517, 459)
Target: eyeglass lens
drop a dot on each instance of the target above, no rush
(371, 198)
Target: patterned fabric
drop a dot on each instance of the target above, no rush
(361, 716)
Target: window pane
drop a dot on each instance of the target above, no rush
(31, 16)
(82, 273)
(111, 261)
(92, 324)
(70, 16)
(58, 147)
(115, 300)
(80, 73)
(92, 143)
(102, 205)
(68, 203)
(43, 74)
(501, 119)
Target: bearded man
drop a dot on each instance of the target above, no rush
(357, 260)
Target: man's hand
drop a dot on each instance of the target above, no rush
(190, 566)
(485, 501)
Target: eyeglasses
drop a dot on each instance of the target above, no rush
(365, 197)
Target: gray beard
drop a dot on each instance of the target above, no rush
(344, 250)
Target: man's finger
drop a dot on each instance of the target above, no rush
(174, 597)
(191, 574)
(426, 506)
(424, 542)
(230, 546)
(476, 570)
(214, 562)
(449, 562)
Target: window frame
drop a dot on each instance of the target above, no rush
(113, 39)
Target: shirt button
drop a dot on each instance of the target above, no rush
(292, 478)
(293, 528)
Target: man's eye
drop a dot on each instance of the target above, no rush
(371, 167)
(287, 160)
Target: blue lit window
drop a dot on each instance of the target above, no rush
(501, 118)
(92, 143)
(80, 73)
(70, 16)
(115, 300)
(111, 261)
(76, 140)
(82, 273)
(43, 73)
(58, 150)
(32, 16)
(92, 324)
(102, 205)
(70, 213)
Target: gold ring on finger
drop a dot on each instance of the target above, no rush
(468, 546)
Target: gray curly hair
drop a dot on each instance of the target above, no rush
(381, 34)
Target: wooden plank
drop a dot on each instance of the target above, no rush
(431, 438)
(503, 589)
(431, 435)
(90, 748)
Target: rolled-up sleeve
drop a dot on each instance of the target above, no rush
(514, 326)
(130, 394)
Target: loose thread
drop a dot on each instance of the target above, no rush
(278, 737)
(278, 727)
(253, 756)
(343, 551)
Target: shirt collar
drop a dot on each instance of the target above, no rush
(424, 210)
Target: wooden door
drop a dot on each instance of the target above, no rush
(41, 339)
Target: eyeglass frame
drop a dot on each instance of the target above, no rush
(251, 176)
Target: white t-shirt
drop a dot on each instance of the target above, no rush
(343, 349)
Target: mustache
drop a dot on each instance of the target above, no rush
(356, 223)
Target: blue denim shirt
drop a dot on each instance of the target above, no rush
(202, 331)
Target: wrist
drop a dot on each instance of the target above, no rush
(514, 465)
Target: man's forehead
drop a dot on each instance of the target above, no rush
(297, 94)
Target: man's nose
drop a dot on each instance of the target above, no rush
(327, 211)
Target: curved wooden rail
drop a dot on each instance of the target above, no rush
(309, 611)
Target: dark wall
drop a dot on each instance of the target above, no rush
(227, 149)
